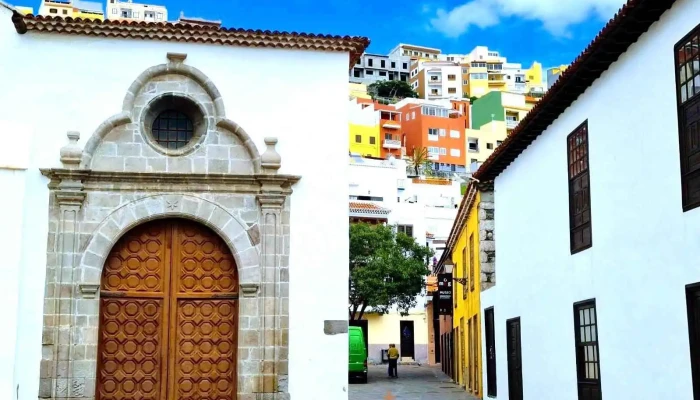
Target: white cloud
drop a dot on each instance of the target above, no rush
(555, 15)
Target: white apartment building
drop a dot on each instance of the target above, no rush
(130, 11)
(371, 68)
(419, 207)
(425, 207)
(437, 79)
(415, 52)
(597, 260)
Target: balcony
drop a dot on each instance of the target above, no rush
(497, 82)
(391, 125)
(391, 144)
(432, 181)
(433, 156)
(435, 81)
(511, 123)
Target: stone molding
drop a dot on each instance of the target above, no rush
(175, 66)
(91, 209)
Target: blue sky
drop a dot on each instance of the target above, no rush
(550, 31)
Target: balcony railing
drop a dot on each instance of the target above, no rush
(392, 144)
(511, 124)
(434, 81)
(432, 181)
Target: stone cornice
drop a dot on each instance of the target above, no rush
(168, 182)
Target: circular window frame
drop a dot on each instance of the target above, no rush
(183, 104)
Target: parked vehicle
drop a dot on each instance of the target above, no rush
(357, 367)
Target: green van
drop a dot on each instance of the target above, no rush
(357, 366)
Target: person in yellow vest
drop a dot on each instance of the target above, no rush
(393, 354)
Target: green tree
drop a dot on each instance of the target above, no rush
(391, 89)
(419, 159)
(386, 269)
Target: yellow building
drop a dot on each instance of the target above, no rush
(364, 128)
(24, 10)
(472, 257)
(359, 91)
(554, 73)
(493, 117)
(72, 8)
(386, 329)
(536, 85)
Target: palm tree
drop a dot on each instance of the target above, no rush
(419, 159)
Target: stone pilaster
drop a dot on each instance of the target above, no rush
(487, 238)
(59, 333)
(274, 326)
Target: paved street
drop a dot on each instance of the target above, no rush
(414, 383)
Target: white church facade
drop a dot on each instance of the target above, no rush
(163, 207)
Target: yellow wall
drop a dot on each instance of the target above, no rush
(365, 147)
(534, 75)
(489, 133)
(24, 10)
(467, 305)
(78, 14)
(478, 87)
(359, 90)
(384, 329)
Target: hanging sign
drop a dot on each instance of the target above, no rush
(445, 294)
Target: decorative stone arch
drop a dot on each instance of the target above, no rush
(232, 231)
(91, 208)
(175, 66)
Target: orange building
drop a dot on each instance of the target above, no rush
(438, 126)
(390, 130)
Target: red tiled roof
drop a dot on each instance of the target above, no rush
(625, 28)
(367, 208)
(197, 33)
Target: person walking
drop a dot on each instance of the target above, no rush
(393, 354)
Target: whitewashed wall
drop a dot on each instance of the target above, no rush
(645, 249)
(85, 82)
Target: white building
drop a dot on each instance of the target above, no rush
(177, 150)
(418, 207)
(597, 265)
(437, 79)
(130, 11)
(371, 68)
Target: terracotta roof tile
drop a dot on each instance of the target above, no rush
(625, 28)
(367, 208)
(196, 33)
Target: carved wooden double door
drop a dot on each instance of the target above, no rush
(168, 315)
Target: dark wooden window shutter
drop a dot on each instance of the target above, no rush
(688, 90)
(579, 190)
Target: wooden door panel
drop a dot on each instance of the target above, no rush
(137, 263)
(130, 349)
(204, 263)
(168, 324)
(205, 362)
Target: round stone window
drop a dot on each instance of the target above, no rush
(174, 124)
(172, 129)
